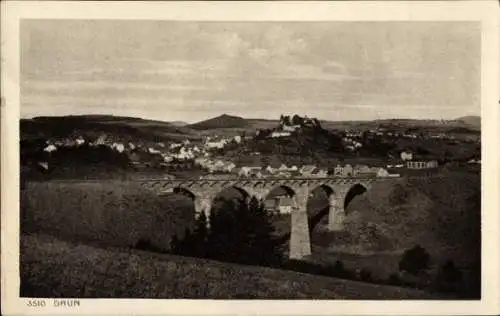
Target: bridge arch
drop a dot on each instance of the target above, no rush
(185, 192)
(280, 198)
(318, 204)
(228, 194)
(352, 192)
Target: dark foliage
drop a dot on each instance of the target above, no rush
(394, 279)
(336, 270)
(415, 260)
(366, 275)
(449, 278)
(241, 233)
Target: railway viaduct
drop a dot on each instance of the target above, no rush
(338, 190)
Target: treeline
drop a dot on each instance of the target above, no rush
(72, 161)
(239, 232)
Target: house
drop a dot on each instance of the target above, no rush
(216, 144)
(271, 205)
(406, 155)
(347, 171)
(283, 174)
(422, 164)
(319, 173)
(229, 166)
(175, 145)
(285, 205)
(279, 134)
(291, 128)
(50, 148)
(247, 171)
(307, 170)
(360, 169)
(100, 140)
(80, 141)
(118, 147)
(382, 173)
(338, 171)
(153, 151)
(168, 158)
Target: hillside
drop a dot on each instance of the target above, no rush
(84, 271)
(472, 120)
(441, 214)
(221, 122)
(93, 126)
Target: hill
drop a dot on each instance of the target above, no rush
(220, 122)
(442, 214)
(54, 268)
(178, 123)
(472, 120)
(92, 126)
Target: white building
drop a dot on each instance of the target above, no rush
(80, 141)
(118, 147)
(406, 155)
(50, 148)
(280, 134)
(291, 128)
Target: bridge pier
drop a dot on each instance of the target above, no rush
(300, 243)
(203, 204)
(336, 215)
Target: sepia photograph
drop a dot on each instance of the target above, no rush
(250, 160)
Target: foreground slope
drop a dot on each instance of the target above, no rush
(54, 268)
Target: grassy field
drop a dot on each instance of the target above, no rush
(109, 212)
(55, 268)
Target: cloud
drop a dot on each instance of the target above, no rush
(156, 66)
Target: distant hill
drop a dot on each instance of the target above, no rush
(471, 120)
(222, 121)
(178, 123)
(92, 126)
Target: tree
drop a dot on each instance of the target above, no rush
(449, 278)
(296, 120)
(200, 235)
(415, 260)
(243, 232)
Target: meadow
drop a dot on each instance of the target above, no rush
(56, 268)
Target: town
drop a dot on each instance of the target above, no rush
(208, 154)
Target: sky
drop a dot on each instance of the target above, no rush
(191, 71)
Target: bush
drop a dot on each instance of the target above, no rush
(365, 275)
(394, 279)
(415, 260)
(449, 278)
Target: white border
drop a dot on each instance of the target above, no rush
(484, 11)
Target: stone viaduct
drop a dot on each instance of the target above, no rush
(338, 190)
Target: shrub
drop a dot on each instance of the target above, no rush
(415, 260)
(366, 275)
(449, 278)
(394, 279)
